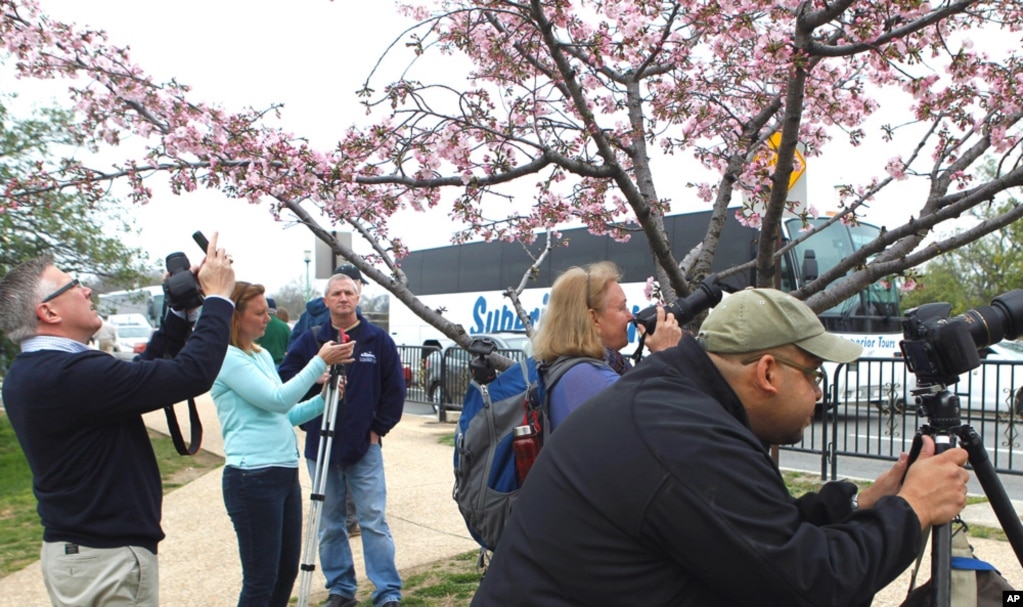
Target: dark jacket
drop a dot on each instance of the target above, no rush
(78, 419)
(374, 396)
(656, 492)
(316, 313)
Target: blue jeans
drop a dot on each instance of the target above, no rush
(265, 505)
(365, 480)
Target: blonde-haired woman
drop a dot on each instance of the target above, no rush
(257, 417)
(587, 315)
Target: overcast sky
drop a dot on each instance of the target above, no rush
(312, 55)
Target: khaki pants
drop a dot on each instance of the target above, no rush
(79, 576)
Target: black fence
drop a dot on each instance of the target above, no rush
(868, 411)
(441, 376)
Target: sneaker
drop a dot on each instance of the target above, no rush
(391, 604)
(336, 600)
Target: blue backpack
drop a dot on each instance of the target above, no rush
(485, 480)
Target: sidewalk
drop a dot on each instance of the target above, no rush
(199, 564)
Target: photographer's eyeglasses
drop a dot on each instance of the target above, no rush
(814, 375)
(71, 285)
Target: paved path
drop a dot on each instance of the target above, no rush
(199, 564)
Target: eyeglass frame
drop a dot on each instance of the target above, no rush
(815, 375)
(71, 285)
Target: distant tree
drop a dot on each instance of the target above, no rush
(69, 225)
(292, 297)
(972, 275)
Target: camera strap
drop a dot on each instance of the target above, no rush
(175, 430)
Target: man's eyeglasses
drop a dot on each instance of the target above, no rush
(813, 374)
(74, 283)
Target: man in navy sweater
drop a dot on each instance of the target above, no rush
(77, 413)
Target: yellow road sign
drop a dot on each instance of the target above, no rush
(798, 161)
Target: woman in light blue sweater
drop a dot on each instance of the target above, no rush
(257, 417)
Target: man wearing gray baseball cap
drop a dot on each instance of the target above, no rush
(661, 490)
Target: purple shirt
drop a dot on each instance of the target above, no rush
(576, 386)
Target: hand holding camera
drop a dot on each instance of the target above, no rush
(668, 331)
(185, 286)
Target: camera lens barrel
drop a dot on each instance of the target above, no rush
(684, 310)
(1003, 319)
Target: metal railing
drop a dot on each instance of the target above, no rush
(870, 412)
(441, 376)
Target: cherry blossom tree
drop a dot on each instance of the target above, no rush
(576, 101)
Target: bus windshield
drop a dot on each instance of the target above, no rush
(875, 308)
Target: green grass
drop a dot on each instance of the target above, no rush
(19, 522)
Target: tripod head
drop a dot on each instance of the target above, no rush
(482, 371)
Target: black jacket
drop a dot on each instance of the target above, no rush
(656, 492)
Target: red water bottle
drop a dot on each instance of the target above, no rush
(526, 445)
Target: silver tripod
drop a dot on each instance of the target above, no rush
(333, 388)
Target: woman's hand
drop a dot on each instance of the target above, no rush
(337, 354)
(667, 332)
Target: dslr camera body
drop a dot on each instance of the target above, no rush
(181, 288)
(938, 348)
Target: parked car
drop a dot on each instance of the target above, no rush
(447, 368)
(996, 386)
(133, 333)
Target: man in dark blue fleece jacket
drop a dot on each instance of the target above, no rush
(77, 413)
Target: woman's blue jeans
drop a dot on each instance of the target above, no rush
(265, 505)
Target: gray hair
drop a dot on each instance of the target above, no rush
(20, 292)
(338, 278)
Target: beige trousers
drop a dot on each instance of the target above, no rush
(79, 576)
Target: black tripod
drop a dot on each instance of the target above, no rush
(946, 428)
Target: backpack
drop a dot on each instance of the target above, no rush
(975, 583)
(485, 480)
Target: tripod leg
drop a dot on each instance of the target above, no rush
(993, 489)
(941, 543)
(316, 496)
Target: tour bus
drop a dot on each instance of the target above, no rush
(467, 281)
(147, 301)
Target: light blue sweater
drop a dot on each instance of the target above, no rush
(258, 412)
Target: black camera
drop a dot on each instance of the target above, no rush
(686, 309)
(938, 348)
(181, 289)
